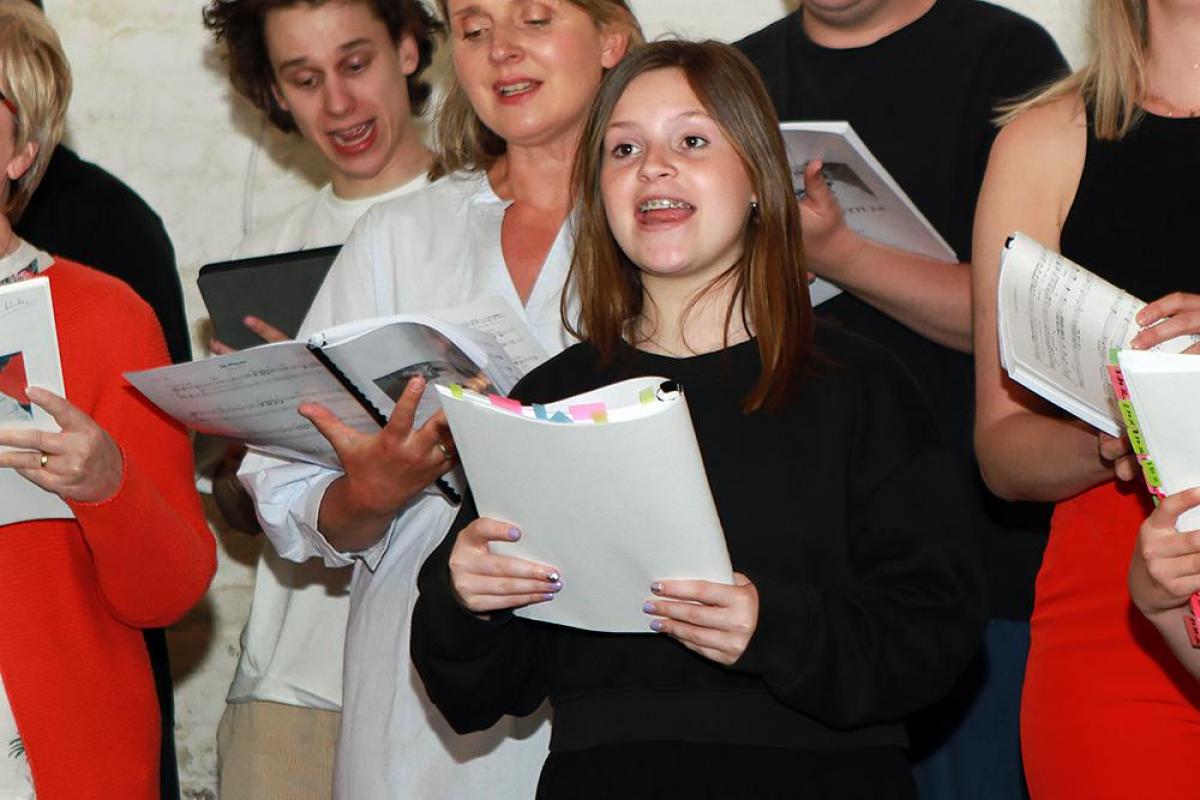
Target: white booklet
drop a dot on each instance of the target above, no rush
(356, 370)
(1164, 390)
(609, 487)
(874, 204)
(1057, 323)
(28, 357)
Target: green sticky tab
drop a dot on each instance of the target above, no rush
(646, 396)
(1151, 471)
(1112, 356)
(1137, 442)
(1127, 413)
(456, 390)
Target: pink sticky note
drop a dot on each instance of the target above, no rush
(505, 403)
(586, 411)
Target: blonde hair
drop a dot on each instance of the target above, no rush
(1115, 79)
(37, 79)
(461, 139)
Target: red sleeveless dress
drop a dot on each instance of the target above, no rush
(1107, 712)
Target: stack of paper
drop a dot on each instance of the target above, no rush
(607, 486)
(874, 204)
(1057, 324)
(1163, 396)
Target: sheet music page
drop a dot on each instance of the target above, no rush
(28, 357)
(1058, 322)
(493, 316)
(253, 396)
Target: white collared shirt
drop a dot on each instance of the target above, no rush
(434, 249)
(294, 637)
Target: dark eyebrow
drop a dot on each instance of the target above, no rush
(299, 61)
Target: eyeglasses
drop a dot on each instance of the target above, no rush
(9, 104)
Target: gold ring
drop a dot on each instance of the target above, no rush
(445, 450)
(45, 460)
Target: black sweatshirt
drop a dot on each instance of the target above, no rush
(836, 507)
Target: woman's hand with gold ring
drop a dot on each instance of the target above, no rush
(45, 459)
(446, 451)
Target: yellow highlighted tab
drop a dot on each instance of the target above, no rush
(1152, 479)
(646, 396)
(599, 417)
(456, 391)
(1127, 413)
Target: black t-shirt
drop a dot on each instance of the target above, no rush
(85, 214)
(835, 506)
(923, 101)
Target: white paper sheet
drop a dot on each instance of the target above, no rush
(874, 204)
(614, 506)
(253, 395)
(1165, 390)
(28, 354)
(1057, 324)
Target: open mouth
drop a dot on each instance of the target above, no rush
(355, 138)
(516, 88)
(663, 209)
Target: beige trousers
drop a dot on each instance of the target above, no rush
(271, 750)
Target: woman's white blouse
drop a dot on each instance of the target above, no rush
(433, 249)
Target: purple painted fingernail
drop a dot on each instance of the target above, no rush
(549, 596)
(553, 577)
(513, 534)
(648, 607)
(556, 586)
(656, 625)
(656, 587)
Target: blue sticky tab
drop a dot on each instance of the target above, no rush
(539, 411)
(560, 417)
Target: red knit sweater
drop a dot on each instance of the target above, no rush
(74, 594)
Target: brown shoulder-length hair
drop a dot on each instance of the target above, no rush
(769, 280)
(462, 141)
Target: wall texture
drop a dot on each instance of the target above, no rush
(152, 106)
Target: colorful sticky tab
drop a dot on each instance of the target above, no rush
(1127, 413)
(599, 417)
(1152, 479)
(560, 417)
(1137, 442)
(539, 411)
(456, 391)
(505, 403)
(646, 396)
(1117, 378)
(585, 411)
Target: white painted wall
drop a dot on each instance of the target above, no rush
(151, 104)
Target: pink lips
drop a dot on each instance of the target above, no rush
(515, 90)
(354, 140)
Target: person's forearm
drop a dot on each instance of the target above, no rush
(931, 297)
(1171, 627)
(1039, 458)
(347, 525)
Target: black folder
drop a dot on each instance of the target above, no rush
(278, 289)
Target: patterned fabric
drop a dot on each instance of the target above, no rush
(24, 262)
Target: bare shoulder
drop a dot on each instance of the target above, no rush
(1051, 137)
(1041, 154)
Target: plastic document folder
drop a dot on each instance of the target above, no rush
(607, 486)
